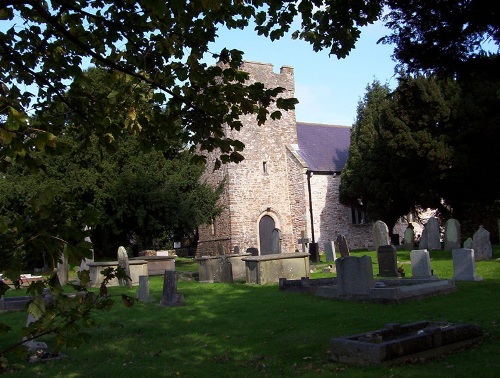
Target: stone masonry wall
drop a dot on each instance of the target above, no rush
(260, 184)
(332, 218)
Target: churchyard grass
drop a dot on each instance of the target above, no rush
(240, 330)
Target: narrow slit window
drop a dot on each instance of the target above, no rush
(264, 167)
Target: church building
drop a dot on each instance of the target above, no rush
(286, 190)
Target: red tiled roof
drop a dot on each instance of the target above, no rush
(323, 147)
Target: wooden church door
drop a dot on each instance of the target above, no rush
(269, 236)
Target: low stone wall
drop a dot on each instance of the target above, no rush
(157, 265)
(269, 269)
(137, 268)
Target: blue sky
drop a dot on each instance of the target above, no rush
(328, 89)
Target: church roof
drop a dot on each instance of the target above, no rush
(323, 147)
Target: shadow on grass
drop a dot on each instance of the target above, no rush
(240, 330)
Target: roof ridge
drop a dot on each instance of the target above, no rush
(321, 124)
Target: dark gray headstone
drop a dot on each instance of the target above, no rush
(220, 249)
(253, 251)
(276, 241)
(330, 251)
(468, 243)
(170, 297)
(433, 234)
(236, 250)
(387, 261)
(424, 240)
(451, 235)
(342, 245)
(355, 275)
(482, 244)
(143, 292)
(409, 237)
(225, 269)
(314, 252)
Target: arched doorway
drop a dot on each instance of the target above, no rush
(269, 236)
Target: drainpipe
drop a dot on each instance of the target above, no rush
(309, 175)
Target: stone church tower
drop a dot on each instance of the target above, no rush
(264, 200)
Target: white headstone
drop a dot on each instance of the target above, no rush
(380, 234)
(123, 262)
(421, 264)
(62, 269)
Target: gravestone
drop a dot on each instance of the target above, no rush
(170, 297)
(314, 252)
(143, 292)
(123, 262)
(355, 275)
(225, 270)
(62, 269)
(303, 241)
(330, 251)
(482, 244)
(253, 251)
(464, 265)
(433, 234)
(421, 264)
(342, 245)
(236, 250)
(409, 237)
(380, 234)
(387, 261)
(220, 249)
(468, 243)
(276, 241)
(451, 235)
(424, 240)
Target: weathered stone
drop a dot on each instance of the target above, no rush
(143, 292)
(464, 265)
(62, 269)
(355, 275)
(482, 244)
(342, 245)
(409, 237)
(330, 254)
(170, 296)
(380, 234)
(387, 261)
(124, 263)
(433, 234)
(451, 235)
(468, 244)
(421, 264)
(269, 269)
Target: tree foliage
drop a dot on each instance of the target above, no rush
(442, 37)
(421, 146)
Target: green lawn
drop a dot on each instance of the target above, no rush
(240, 330)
